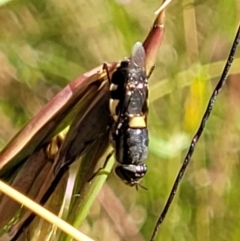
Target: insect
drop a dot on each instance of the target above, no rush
(128, 106)
(80, 97)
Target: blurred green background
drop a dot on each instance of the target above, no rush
(46, 44)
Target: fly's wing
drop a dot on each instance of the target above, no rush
(137, 59)
(136, 84)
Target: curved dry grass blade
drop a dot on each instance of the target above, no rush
(163, 6)
(31, 174)
(28, 180)
(53, 118)
(86, 125)
(97, 118)
(198, 133)
(40, 211)
(154, 39)
(85, 193)
(39, 229)
(80, 105)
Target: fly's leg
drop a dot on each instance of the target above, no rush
(102, 170)
(105, 67)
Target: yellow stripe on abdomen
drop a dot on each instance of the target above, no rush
(137, 122)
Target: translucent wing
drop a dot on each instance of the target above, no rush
(137, 59)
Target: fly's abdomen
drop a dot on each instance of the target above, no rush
(131, 145)
(137, 142)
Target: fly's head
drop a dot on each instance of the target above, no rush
(131, 174)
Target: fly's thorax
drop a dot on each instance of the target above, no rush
(128, 91)
(137, 77)
(136, 92)
(135, 103)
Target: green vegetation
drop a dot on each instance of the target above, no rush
(46, 44)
